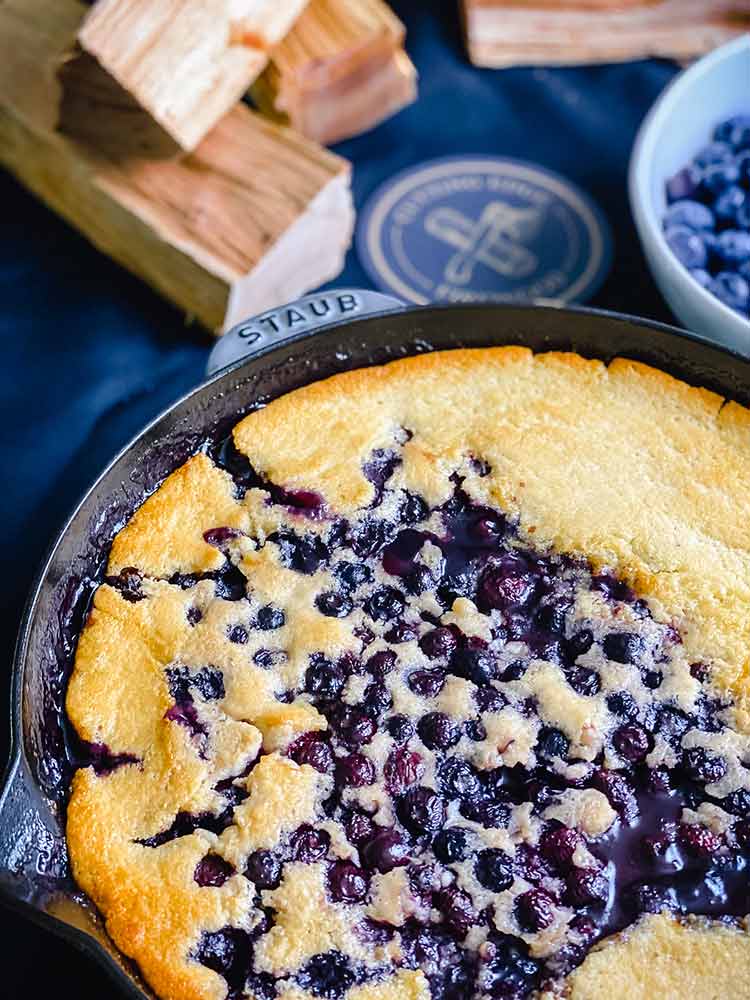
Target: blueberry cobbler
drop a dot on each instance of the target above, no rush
(431, 681)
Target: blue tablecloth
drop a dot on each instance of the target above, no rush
(91, 354)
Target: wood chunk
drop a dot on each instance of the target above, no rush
(97, 110)
(340, 71)
(255, 216)
(503, 33)
(186, 62)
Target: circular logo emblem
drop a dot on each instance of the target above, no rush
(478, 229)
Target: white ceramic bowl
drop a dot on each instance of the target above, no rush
(680, 123)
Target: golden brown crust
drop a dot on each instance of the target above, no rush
(662, 957)
(165, 535)
(623, 465)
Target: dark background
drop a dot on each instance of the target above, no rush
(90, 354)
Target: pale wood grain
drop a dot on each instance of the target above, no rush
(186, 62)
(340, 71)
(503, 33)
(255, 216)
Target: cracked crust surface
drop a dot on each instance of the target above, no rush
(621, 465)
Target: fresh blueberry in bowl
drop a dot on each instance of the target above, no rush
(688, 212)
(731, 289)
(687, 246)
(702, 276)
(714, 152)
(732, 247)
(730, 206)
(718, 177)
(693, 150)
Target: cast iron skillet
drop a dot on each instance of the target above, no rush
(34, 874)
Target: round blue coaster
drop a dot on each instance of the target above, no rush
(483, 228)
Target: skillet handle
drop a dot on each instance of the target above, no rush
(32, 856)
(305, 315)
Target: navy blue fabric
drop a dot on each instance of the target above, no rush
(89, 354)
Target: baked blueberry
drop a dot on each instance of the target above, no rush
(422, 811)
(587, 887)
(701, 765)
(438, 731)
(506, 584)
(228, 953)
(509, 973)
(622, 704)
(313, 749)
(494, 869)
(450, 845)
(269, 618)
(303, 553)
(347, 883)
(401, 728)
(213, 870)
(238, 634)
(457, 909)
(353, 726)
(264, 869)
(622, 647)
(584, 681)
(699, 840)
(631, 742)
(426, 683)
(474, 664)
(558, 845)
(381, 663)
(359, 827)
(355, 770)
(327, 975)
(535, 910)
(652, 679)
(619, 791)
(385, 851)
(438, 644)
(324, 679)
(385, 604)
(333, 605)
(552, 743)
(459, 780)
(403, 768)
(352, 575)
(308, 844)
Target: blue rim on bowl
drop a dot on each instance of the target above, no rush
(685, 101)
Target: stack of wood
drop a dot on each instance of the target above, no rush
(125, 118)
(501, 33)
(340, 70)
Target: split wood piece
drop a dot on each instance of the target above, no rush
(186, 62)
(97, 110)
(256, 216)
(340, 71)
(503, 33)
